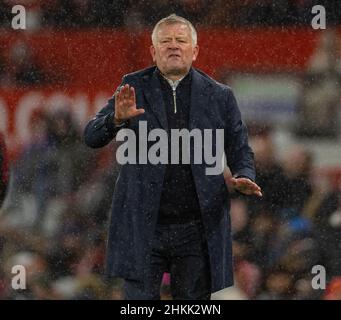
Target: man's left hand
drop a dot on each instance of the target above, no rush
(246, 186)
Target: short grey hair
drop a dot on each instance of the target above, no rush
(172, 19)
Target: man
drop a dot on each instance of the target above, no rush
(173, 217)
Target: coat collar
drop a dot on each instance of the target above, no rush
(199, 97)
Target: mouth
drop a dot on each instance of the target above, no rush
(174, 55)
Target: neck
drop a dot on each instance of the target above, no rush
(174, 76)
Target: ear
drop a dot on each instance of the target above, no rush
(152, 52)
(195, 52)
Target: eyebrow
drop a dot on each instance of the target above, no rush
(176, 37)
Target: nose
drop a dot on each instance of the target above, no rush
(173, 44)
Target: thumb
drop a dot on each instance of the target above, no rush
(137, 112)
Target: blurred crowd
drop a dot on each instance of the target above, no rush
(295, 226)
(54, 220)
(128, 13)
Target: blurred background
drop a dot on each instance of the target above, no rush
(56, 193)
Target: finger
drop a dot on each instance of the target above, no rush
(233, 181)
(132, 95)
(258, 193)
(252, 190)
(252, 186)
(121, 92)
(126, 91)
(242, 184)
(137, 112)
(241, 180)
(131, 99)
(247, 189)
(256, 187)
(125, 97)
(118, 99)
(249, 184)
(244, 181)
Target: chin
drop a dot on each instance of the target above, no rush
(177, 70)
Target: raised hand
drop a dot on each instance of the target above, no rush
(125, 104)
(246, 186)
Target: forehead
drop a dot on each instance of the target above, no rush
(170, 29)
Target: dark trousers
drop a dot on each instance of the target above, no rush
(180, 249)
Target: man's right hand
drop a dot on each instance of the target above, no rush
(125, 105)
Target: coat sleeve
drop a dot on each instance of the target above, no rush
(239, 155)
(101, 129)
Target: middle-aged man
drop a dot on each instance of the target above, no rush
(173, 217)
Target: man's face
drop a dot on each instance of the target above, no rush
(174, 52)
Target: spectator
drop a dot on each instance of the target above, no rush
(328, 233)
(22, 69)
(320, 98)
(278, 285)
(4, 170)
(270, 174)
(5, 14)
(296, 184)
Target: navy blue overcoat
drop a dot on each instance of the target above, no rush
(138, 187)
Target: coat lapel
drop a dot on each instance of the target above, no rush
(200, 95)
(153, 94)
